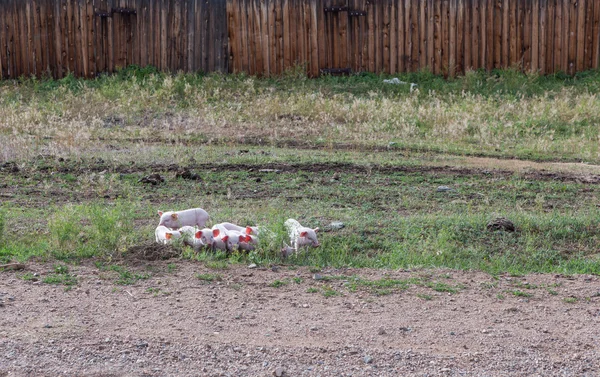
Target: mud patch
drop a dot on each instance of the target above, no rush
(151, 251)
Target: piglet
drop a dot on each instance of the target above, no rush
(241, 229)
(188, 234)
(299, 236)
(165, 235)
(203, 237)
(191, 217)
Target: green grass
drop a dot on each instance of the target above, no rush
(279, 283)
(209, 277)
(501, 113)
(81, 148)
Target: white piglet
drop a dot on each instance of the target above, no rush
(203, 237)
(241, 229)
(165, 235)
(299, 236)
(177, 219)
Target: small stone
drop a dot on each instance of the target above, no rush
(275, 268)
(253, 265)
(278, 372)
(305, 306)
(337, 225)
(485, 331)
(381, 331)
(318, 277)
(265, 364)
(443, 189)
(47, 326)
(368, 359)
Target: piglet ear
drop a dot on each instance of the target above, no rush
(174, 216)
(242, 238)
(316, 229)
(198, 234)
(248, 230)
(216, 232)
(225, 238)
(303, 234)
(160, 213)
(247, 238)
(168, 235)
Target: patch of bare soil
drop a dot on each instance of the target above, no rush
(151, 251)
(236, 322)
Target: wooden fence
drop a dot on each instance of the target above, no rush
(91, 36)
(266, 37)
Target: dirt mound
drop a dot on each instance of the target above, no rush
(151, 251)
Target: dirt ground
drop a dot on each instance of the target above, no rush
(176, 324)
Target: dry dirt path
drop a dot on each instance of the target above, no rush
(174, 324)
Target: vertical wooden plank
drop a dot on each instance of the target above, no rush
(371, 37)
(527, 31)
(422, 34)
(430, 17)
(252, 43)
(589, 24)
(152, 28)
(460, 35)
(484, 34)
(393, 36)
(164, 37)
(401, 38)
(408, 24)
(550, 26)
(99, 53)
(294, 46)
(386, 35)
(16, 40)
(45, 40)
(82, 39)
(37, 35)
(542, 36)
(445, 63)
(467, 29)
(30, 47)
(596, 37)
(72, 36)
(573, 13)
(91, 37)
(45, 30)
(535, 42)
(322, 34)
(287, 59)
(452, 39)
(415, 35)
(581, 6)
(27, 37)
(266, 37)
(58, 40)
(3, 58)
(498, 24)
(505, 55)
(476, 34)
(490, 37)
(437, 37)
(513, 52)
(279, 38)
(558, 33)
(314, 72)
(565, 36)
(81, 43)
(187, 33)
(260, 68)
(232, 36)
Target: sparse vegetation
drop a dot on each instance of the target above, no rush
(86, 142)
(209, 277)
